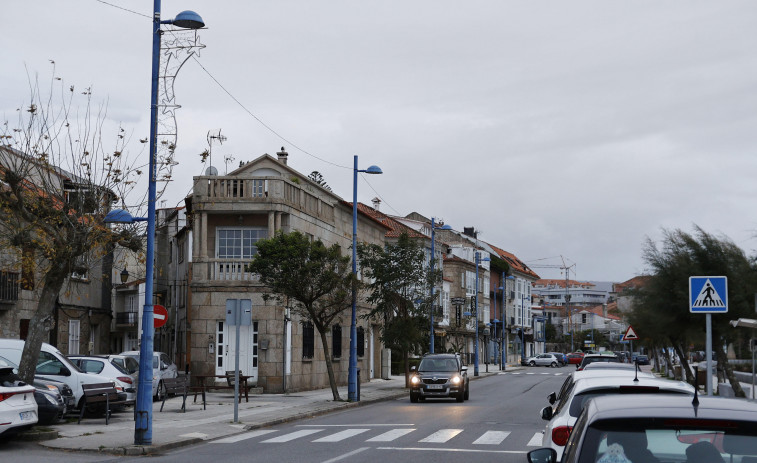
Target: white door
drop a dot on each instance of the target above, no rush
(226, 345)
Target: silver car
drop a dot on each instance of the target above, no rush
(162, 367)
(545, 360)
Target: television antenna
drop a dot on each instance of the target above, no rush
(212, 136)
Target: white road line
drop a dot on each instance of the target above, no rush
(492, 437)
(391, 435)
(438, 449)
(346, 455)
(341, 435)
(441, 436)
(291, 436)
(244, 436)
(536, 440)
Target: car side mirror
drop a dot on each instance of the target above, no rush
(64, 371)
(412, 368)
(163, 366)
(464, 368)
(546, 413)
(545, 455)
(552, 398)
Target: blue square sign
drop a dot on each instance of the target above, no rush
(708, 294)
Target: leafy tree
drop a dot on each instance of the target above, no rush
(58, 182)
(400, 294)
(318, 278)
(660, 311)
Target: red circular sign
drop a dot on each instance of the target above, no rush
(159, 316)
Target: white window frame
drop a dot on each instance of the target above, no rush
(74, 334)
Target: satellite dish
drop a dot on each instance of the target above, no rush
(211, 171)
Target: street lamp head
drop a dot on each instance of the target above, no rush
(124, 276)
(118, 216)
(373, 170)
(188, 20)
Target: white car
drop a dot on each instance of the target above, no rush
(545, 360)
(563, 417)
(18, 407)
(162, 367)
(100, 366)
(51, 364)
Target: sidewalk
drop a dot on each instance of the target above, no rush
(171, 428)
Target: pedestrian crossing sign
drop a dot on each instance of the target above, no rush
(708, 294)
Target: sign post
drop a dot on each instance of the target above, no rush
(708, 295)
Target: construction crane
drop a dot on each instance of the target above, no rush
(566, 269)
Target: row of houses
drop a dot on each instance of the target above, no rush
(486, 298)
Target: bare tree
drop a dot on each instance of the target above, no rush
(58, 180)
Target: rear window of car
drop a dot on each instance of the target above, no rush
(579, 400)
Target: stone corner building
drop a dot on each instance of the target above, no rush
(227, 215)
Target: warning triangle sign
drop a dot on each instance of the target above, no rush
(630, 334)
(709, 297)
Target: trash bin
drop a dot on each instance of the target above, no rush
(358, 384)
(677, 372)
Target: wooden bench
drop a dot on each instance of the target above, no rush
(98, 393)
(175, 386)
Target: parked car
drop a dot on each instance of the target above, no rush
(99, 365)
(544, 360)
(439, 376)
(67, 395)
(653, 428)
(591, 358)
(562, 358)
(563, 417)
(162, 367)
(51, 364)
(574, 358)
(596, 370)
(52, 405)
(18, 408)
(642, 359)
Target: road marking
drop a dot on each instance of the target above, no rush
(441, 436)
(536, 440)
(436, 449)
(391, 435)
(349, 454)
(244, 436)
(492, 437)
(341, 435)
(291, 436)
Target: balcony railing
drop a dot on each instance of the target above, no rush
(126, 318)
(230, 270)
(9, 286)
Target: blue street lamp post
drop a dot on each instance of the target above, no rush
(143, 407)
(352, 379)
(505, 337)
(433, 279)
(475, 353)
(523, 329)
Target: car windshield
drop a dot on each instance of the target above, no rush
(438, 365)
(676, 439)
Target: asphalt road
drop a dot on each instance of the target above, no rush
(499, 423)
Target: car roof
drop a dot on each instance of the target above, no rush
(601, 354)
(610, 366)
(588, 384)
(443, 356)
(665, 406)
(608, 372)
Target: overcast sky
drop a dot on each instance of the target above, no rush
(555, 128)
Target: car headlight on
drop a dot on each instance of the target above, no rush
(456, 379)
(415, 380)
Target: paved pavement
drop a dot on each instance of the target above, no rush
(172, 428)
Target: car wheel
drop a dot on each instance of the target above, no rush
(460, 396)
(160, 392)
(414, 397)
(466, 396)
(554, 364)
(532, 363)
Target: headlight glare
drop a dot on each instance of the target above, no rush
(455, 379)
(415, 380)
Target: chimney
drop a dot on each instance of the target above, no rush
(470, 231)
(282, 156)
(376, 203)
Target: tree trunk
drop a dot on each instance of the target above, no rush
(40, 325)
(329, 366)
(685, 368)
(728, 372)
(406, 363)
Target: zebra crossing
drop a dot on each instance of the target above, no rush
(368, 434)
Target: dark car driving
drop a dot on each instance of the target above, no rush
(439, 376)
